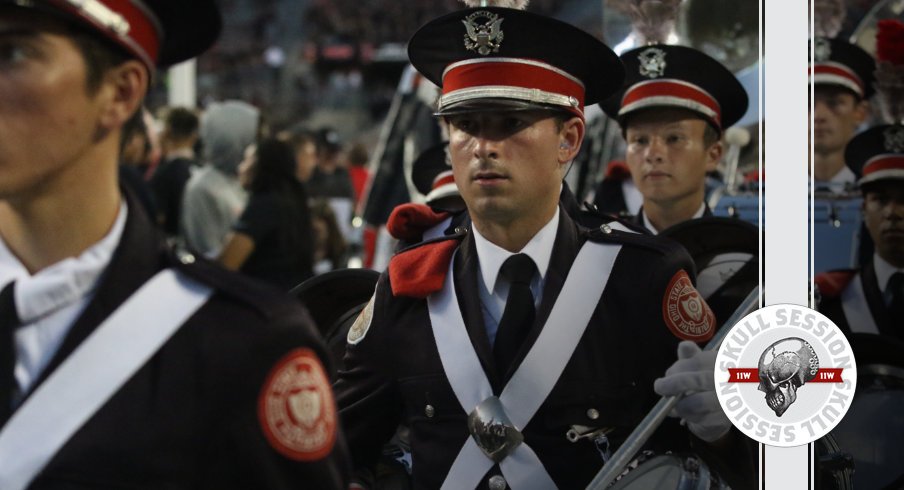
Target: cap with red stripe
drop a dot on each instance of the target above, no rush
(157, 32)
(494, 58)
(432, 174)
(877, 154)
(666, 76)
(840, 63)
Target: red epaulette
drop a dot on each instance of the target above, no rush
(409, 221)
(617, 170)
(832, 283)
(421, 270)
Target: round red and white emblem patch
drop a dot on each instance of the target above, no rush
(296, 408)
(685, 312)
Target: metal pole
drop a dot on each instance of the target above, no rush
(182, 91)
(660, 411)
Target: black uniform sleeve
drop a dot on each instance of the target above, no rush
(273, 416)
(369, 401)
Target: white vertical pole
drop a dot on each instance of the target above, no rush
(785, 34)
(182, 86)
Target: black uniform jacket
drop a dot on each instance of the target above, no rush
(638, 219)
(189, 417)
(393, 374)
(833, 284)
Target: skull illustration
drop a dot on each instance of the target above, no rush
(784, 367)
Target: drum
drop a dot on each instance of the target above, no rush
(334, 301)
(834, 467)
(668, 471)
(836, 231)
(872, 431)
(725, 252)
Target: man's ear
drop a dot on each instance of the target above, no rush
(123, 88)
(714, 156)
(570, 138)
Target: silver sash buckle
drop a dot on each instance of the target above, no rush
(492, 429)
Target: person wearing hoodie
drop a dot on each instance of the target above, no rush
(214, 198)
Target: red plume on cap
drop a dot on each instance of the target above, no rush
(890, 67)
(890, 41)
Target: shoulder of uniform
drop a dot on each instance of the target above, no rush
(263, 299)
(409, 221)
(421, 269)
(832, 283)
(628, 234)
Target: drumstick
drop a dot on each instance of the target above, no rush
(660, 411)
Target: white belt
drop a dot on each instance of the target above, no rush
(93, 373)
(534, 378)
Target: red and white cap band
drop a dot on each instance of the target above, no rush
(128, 22)
(829, 72)
(674, 93)
(443, 186)
(884, 166)
(511, 78)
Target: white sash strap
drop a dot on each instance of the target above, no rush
(856, 309)
(534, 378)
(93, 373)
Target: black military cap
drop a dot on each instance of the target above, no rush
(157, 32)
(662, 75)
(432, 174)
(489, 58)
(877, 154)
(837, 62)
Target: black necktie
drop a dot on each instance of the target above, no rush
(518, 315)
(895, 294)
(9, 320)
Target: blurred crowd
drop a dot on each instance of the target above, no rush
(275, 205)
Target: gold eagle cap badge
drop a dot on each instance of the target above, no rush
(483, 32)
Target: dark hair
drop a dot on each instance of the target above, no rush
(134, 126)
(302, 137)
(274, 173)
(99, 57)
(181, 123)
(711, 135)
(335, 242)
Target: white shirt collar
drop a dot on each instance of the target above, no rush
(539, 248)
(63, 283)
(884, 270)
(653, 230)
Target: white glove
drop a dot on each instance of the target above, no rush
(691, 377)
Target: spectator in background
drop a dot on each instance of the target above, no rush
(357, 169)
(304, 146)
(273, 239)
(134, 152)
(330, 179)
(330, 247)
(180, 134)
(214, 198)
